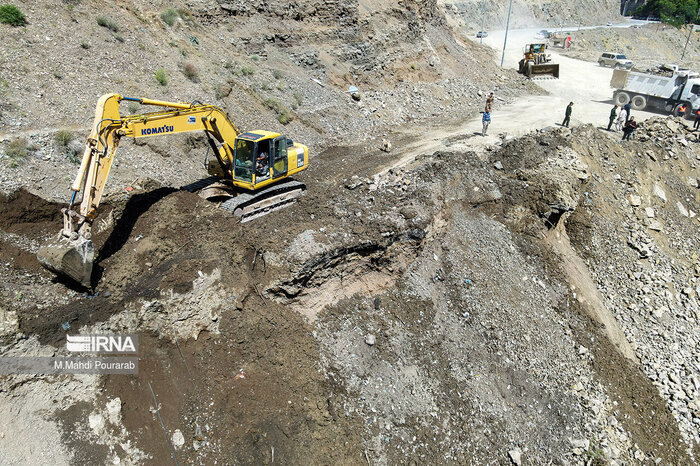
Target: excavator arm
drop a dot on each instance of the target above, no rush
(73, 254)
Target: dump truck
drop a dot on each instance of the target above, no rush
(536, 62)
(665, 93)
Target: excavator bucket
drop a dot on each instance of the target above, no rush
(69, 258)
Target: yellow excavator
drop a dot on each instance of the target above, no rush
(249, 170)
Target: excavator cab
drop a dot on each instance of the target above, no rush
(261, 157)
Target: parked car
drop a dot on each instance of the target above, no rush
(545, 33)
(481, 34)
(615, 60)
(636, 26)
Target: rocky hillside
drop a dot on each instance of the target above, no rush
(269, 65)
(648, 46)
(530, 13)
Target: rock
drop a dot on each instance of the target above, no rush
(354, 182)
(655, 225)
(649, 212)
(635, 201)
(178, 439)
(581, 444)
(681, 208)
(386, 146)
(114, 409)
(76, 146)
(515, 457)
(693, 182)
(370, 339)
(658, 312)
(96, 422)
(658, 192)
(498, 165)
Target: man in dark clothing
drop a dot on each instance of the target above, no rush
(628, 129)
(567, 117)
(628, 109)
(613, 114)
(489, 102)
(697, 119)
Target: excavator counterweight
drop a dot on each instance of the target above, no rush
(253, 171)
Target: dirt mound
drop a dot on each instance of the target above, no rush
(27, 214)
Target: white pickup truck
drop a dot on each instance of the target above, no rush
(666, 93)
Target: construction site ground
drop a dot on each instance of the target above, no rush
(454, 299)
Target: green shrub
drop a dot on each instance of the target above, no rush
(133, 107)
(16, 150)
(108, 23)
(119, 37)
(10, 14)
(284, 115)
(63, 137)
(298, 98)
(222, 90)
(169, 16)
(245, 71)
(190, 72)
(277, 74)
(85, 45)
(186, 16)
(161, 77)
(254, 58)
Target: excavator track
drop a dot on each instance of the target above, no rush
(248, 206)
(200, 184)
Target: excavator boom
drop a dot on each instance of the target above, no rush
(264, 158)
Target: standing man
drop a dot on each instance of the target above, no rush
(629, 128)
(489, 102)
(567, 117)
(697, 120)
(628, 109)
(485, 120)
(613, 114)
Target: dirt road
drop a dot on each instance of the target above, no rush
(584, 83)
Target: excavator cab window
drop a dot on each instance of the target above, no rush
(279, 159)
(245, 160)
(262, 161)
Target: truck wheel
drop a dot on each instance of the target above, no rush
(687, 113)
(638, 102)
(601, 63)
(622, 99)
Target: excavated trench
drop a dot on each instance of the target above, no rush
(366, 269)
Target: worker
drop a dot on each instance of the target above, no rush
(613, 114)
(629, 128)
(681, 110)
(489, 102)
(485, 120)
(628, 109)
(620, 122)
(261, 167)
(697, 119)
(567, 117)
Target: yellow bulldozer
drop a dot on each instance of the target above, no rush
(249, 172)
(537, 62)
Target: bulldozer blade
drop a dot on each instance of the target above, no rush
(71, 259)
(551, 69)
